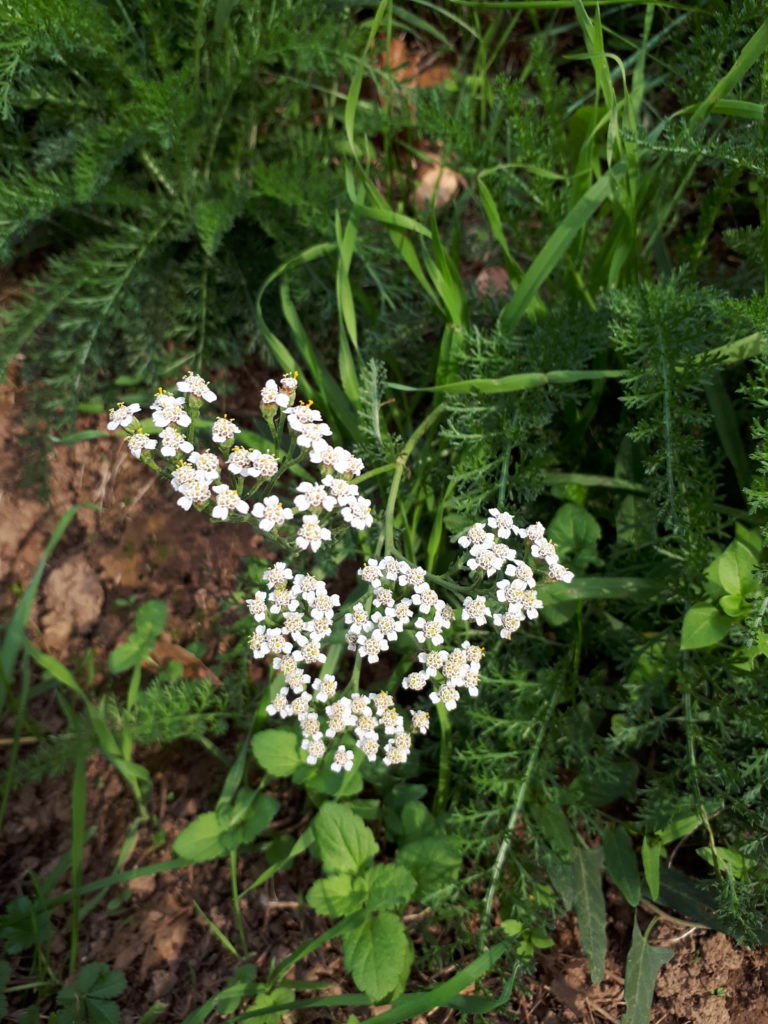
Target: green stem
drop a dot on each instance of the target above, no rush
(522, 792)
(236, 902)
(397, 476)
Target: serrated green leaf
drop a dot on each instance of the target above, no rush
(575, 532)
(378, 954)
(703, 626)
(590, 908)
(99, 981)
(643, 965)
(343, 841)
(621, 863)
(389, 886)
(277, 751)
(434, 862)
(24, 924)
(201, 839)
(335, 896)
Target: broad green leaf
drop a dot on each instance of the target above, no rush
(335, 896)
(150, 622)
(735, 567)
(378, 954)
(643, 965)
(621, 863)
(23, 925)
(599, 588)
(243, 821)
(513, 382)
(590, 908)
(730, 861)
(408, 1007)
(703, 626)
(277, 751)
(389, 886)
(576, 533)
(651, 853)
(433, 861)
(733, 605)
(99, 981)
(201, 839)
(343, 841)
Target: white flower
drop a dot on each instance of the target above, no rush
(167, 409)
(271, 513)
(325, 688)
(535, 532)
(272, 395)
(345, 463)
(206, 464)
(196, 492)
(358, 620)
(475, 609)
(430, 629)
(228, 500)
(342, 490)
(387, 625)
(485, 560)
(397, 749)
(358, 513)
(475, 535)
(343, 760)
(263, 464)
(432, 661)
(502, 523)
(257, 606)
(425, 600)
(521, 571)
(197, 387)
(509, 591)
(315, 749)
(278, 574)
(300, 415)
(311, 433)
(414, 681)
(279, 705)
(239, 461)
(530, 604)
(447, 695)
(122, 415)
(172, 441)
(313, 496)
(311, 534)
(559, 574)
(288, 385)
(545, 550)
(371, 646)
(224, 430)
(412, 576)
(139, 443)
(507, 624)
(420, 722)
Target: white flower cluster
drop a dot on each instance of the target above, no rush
(196, 476)
(489, 555)
(300, 612)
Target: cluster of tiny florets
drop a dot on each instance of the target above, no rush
(295, 614)
(489, 555)
(197, 475)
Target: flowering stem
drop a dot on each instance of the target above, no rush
(397, 476)
(522, 792)
(444, 761)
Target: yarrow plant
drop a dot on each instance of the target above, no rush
(400, 617)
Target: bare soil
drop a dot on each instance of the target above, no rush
(139, 544)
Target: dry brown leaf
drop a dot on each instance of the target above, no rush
(164, 930)
(74, 599)
(166, 650)
(436, 184)
(493, 280)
